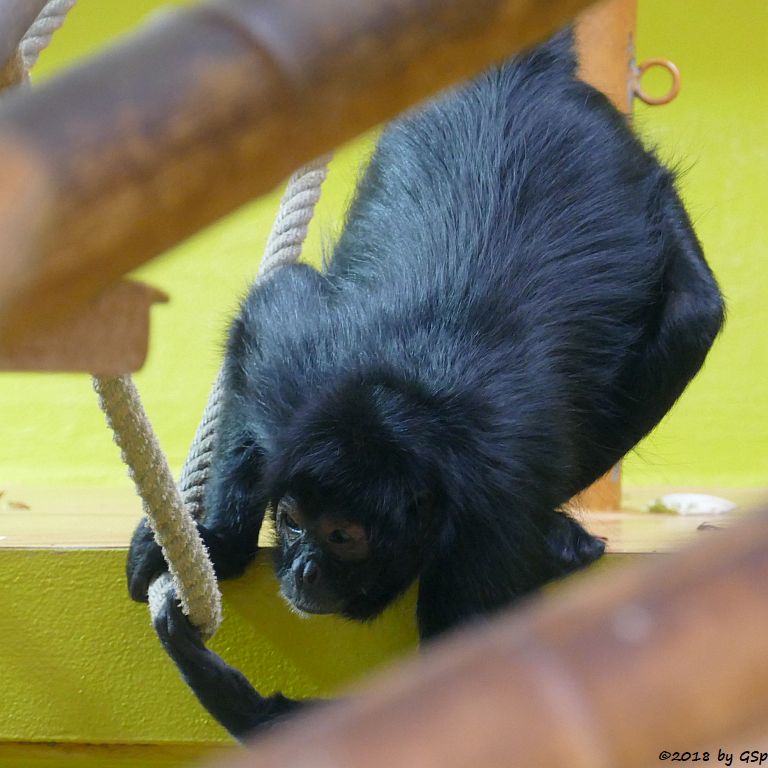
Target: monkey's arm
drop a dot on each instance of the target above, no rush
(480, 569)
(234, 499)
(222, 690)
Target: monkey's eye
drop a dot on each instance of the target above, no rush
(345, 540)
(339, 536)
(291, 524)
(289, 516)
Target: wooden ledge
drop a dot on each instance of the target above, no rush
(81, 663)
(104, 518)
(107, 336)
(72, 755)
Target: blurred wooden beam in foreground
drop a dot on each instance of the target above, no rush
(108, 335)
(210, 106)
(606, 672)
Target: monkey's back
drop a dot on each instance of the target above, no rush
(506, 207)
(506, 249)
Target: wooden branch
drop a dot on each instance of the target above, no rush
(12, 72)
(609, 671)
(211, 106)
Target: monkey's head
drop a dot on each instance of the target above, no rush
(353, 504)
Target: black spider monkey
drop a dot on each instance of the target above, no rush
(517, 298)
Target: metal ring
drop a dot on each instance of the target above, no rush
(656, 100)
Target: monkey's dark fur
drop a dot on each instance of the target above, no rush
(517, 298)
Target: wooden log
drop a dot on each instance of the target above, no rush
(12, 72)
(210, 106)
(608, 671)
(108, 335)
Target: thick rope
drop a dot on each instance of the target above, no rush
(194, 473)
(297, 207)
(175, 531)
(289, 231)
(171, 510)
(39, 35)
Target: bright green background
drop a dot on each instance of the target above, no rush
(79, 660)
(717, 129)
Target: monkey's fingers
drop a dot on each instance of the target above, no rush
(145, 562)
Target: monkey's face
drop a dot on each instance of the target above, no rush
(328, 562)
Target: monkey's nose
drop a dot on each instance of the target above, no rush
(305, 572)
(310, 572)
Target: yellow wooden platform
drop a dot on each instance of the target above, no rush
(98, 518)
(86, 681)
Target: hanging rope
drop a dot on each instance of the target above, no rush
(297, 207)
(284, 244)
(171, 510)
(175, 531)
(39, 35)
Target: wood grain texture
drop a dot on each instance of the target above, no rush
(209, 107)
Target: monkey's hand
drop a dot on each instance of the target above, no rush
(145, 561)
(222, 690)
(571, 545)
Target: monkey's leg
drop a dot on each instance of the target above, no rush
(679, 336)
(691, 317)
(222, 690)
(570, 545)
(282, 306)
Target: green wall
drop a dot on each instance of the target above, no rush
(81, 663)
(716, 130)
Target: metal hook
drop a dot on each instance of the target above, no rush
(640, 70)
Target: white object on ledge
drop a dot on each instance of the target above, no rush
(691, 504)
